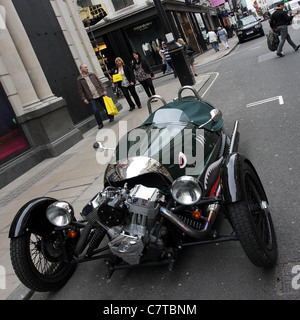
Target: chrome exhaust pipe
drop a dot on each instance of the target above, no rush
(213, 210)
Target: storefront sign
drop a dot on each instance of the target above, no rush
(143, 26)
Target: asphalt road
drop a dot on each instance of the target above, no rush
(262, 91)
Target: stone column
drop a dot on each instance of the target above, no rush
(67, 13)
(9, 87)
(27, 54)
(15, 68)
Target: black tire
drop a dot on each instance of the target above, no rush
(252, 222)
(38, 263)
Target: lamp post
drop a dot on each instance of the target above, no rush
(162, 16)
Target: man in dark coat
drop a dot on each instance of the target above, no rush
(91, 91)
(279, 22)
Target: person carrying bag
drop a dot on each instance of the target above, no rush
(92, 92)
(127, 85)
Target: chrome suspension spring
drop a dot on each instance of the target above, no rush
(96, 240)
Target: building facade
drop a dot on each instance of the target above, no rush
(42, 44)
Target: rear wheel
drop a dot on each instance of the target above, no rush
(251, 219)
(38, 261)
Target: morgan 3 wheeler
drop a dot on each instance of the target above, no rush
(166, 184)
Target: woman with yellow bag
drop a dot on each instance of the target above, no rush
(126, 82)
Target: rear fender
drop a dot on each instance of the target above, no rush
(232, 177)
(32, 216)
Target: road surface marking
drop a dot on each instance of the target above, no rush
(216, 76)
(265, 101)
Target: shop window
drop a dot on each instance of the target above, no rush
(12, 141)
(120, 4)
(92, 14)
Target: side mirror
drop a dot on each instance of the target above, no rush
(215, 115)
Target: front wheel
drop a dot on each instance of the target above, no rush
(252, 222)
(38, 261)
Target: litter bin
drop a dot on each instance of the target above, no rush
(181, 64)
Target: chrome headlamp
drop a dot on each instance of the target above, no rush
(60, 213)
(186, 190)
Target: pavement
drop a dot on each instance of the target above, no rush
(76, 175)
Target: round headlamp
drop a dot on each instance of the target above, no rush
(60, 213)
(186, 190)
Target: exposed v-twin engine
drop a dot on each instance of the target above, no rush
(128, 216)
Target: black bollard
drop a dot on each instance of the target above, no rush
(181, 64)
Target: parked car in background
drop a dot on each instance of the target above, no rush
(249, 27)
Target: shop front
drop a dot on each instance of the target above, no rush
(12, 140)
(143, 32)
(145, 38)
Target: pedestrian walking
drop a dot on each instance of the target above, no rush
(127, 84)
(279, 23)
(167, 58)
(223, 36)
(91, 91)
(189, 54)
(213, 39)
(143, 74)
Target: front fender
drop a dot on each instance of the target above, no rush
(33, 216)
(232, 177)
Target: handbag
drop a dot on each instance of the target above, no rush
(110, 106)
(117, 77)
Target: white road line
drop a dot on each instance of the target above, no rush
(265, 101)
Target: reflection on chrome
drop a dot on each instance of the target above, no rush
(133, 167)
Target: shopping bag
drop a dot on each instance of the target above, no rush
(117, 77)
(110, 106)
(272, 40)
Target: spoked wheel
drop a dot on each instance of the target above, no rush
(38, 261)
(251, 219)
